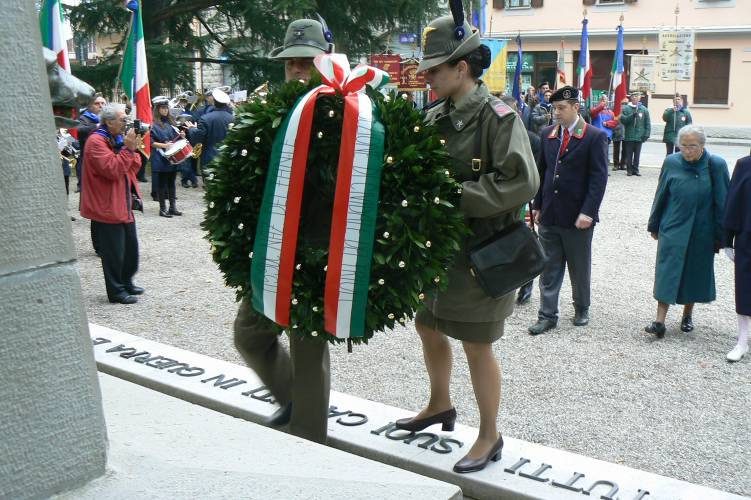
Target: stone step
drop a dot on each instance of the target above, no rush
(365, 428)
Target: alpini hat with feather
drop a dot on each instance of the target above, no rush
(448, 38)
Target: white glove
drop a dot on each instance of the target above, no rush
(730, 253)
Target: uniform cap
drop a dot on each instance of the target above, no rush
(160, 100)
(440, 42)
(305, 38)
(220, 96)
(567, 93)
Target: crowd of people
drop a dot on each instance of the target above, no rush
(544, 154)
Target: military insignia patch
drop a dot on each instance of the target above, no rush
(300, 31)
(501, 108)
(567, 94)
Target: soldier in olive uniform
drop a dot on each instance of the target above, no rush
(492, 159)
(300, 380)
(638, 127)
(675, 119)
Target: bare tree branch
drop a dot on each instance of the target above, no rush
(212, 34)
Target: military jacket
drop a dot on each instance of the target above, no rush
(491, 198)
(674, 122)
(574, 179)
(637, 123)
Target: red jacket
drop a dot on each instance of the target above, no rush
(108, 178)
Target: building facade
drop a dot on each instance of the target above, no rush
(715, 89)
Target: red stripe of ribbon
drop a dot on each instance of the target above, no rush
(339, 217)
(292, 211)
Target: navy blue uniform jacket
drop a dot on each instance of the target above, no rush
(575, 182)
(211, 130)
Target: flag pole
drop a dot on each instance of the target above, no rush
(120, 68)
(612, 73)
(675, 75)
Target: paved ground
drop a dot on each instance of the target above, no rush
(673, 407)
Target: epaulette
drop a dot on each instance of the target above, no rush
(433, 104)
(500, 108)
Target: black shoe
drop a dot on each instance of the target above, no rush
(124, 299)
(477, 464)
(143, 179)
(184, 184)
(447, 418)
(164, 213)
(134, 290)
(174, 211)
(195, 184)
(581, 316)
(629, 174)
(154, 197)
(656, 328)
(687, 324)
(637, 174)
(281, 416)
(525, 293)
(542, 326)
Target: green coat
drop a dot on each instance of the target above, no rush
(508, 180)
(687, 215)
(671, 127)
(636, 121)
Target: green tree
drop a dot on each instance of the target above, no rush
(245, 31)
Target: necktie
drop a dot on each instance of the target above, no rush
(564, 143)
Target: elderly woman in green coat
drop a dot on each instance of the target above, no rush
(686, 220)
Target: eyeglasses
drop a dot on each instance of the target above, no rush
(689, 146)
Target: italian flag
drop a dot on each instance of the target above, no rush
(585, 66)
(134, 75)
(619, 76)
(55, 36)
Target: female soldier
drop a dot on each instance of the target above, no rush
(493, 160)
(686, 221)
(163, 134)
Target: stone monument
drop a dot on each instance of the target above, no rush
(51, 420)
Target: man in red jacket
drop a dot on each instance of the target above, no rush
(110, 194)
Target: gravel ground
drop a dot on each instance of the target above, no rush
(673, 407)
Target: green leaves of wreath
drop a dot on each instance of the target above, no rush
(419, 228)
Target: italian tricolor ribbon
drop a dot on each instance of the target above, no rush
(355, 202)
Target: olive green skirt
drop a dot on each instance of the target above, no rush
(486, 333)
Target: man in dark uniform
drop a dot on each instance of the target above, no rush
(299, 380)
(212, 127)
(574, 173)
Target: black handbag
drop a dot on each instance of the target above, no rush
(507, 260)
(511, 257)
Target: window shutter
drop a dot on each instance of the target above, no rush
(536, 4)
(630, 1)
(499, 4)
(588, 2)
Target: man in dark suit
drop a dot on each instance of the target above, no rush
(574, 173)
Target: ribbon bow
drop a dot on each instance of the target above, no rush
(355, 202)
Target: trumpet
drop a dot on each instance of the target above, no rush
(187, 95)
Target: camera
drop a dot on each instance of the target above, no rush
(137, 125)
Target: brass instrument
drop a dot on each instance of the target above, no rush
(260, 92)
(197, 150)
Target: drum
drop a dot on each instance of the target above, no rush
(178, 152)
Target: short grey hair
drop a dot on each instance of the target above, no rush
(692, 129)
(110, 111)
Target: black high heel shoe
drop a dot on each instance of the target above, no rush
(477, 464)
(447, 418)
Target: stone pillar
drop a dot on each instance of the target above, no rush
(52, 429)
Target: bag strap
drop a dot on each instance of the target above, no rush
(531, 218)
(477, 158)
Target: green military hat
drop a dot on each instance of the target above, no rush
(304, 38)
(444, 40)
